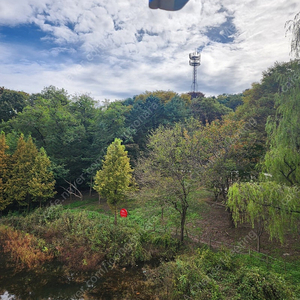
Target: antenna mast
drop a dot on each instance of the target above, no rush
(195, 58)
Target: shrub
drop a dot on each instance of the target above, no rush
(256, 284)
(24, 248)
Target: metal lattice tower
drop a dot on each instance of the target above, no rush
(195, 58)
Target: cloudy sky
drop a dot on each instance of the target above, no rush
(116, 49)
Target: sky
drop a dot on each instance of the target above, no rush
(115, 49)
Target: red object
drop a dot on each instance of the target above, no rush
(123, 213)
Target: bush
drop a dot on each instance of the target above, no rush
(24, 248)
(255, 284)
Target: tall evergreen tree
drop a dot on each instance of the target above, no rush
(115, 177)
(20, 173)
(4, 201)
(42, 183)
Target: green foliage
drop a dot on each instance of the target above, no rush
(52, 125)
(210, 275)
(267, 202)
(20, 174)
(82, 240)
(28, 175)
(231, 101)
(261, 285)
(283, 158)
(208, 109)
(168, 169)
(42, 182)
(11, 103)
(4, 201)
(115, 177)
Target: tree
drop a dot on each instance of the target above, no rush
(231, 101)
(11, 103)
(294, 27)
(266, 205)
(115, 177)
(53, 124)
(29, 175)
(274, 204)
(169, 168)
(283, 158)
(42, 183)
(4, 201)
(20, 174)
(164, 96)
(208, 109)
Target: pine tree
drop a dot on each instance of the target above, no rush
(115, 177)
(41, 185)
(4, 201)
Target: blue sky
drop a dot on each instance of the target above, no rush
(114, 49)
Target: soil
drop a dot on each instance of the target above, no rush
(217, 227)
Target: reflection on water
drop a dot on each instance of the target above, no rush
(53, 285)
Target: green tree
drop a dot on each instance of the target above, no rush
(115, 177)
(11, 103)
(208, 109)
(4, 201)
(54, 124)
(169, 168)
(266, 205)
(231, 101)
(283, 158)
(22, 163)
(273, 202)
(42, 183)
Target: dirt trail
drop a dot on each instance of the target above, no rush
(216, 225)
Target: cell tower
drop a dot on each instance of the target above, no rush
(195, 58)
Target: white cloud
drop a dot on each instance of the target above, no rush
(126, 48)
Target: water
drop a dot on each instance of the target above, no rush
(51, 284)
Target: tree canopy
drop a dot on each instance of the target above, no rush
(115, 177)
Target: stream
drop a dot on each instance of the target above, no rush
(126, 283)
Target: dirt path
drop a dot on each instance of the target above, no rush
(216, 225)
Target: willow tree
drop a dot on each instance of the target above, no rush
(283, 158)
(115, 177)
(293, 26)
(266, 205)
(275, 203)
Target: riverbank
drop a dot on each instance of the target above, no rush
(75, 252)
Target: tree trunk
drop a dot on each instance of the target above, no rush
(29, 203)
(231, 218)
(99, 198)
(115, 215)
(162, 213)
(183, 217)
(91, 187)
(259, 232)
(70, 188)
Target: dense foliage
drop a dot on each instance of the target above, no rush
(244, 148)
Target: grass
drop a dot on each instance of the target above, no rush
(148, 214)
(290, 271)
(83, 204)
